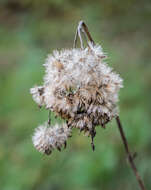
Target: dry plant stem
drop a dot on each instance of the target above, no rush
(82, 27)
(130, 157)
(86, 31)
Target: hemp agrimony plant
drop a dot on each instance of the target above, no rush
(82, 89)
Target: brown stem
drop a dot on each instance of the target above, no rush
(82, 27)
(85, 28)
(130, 157)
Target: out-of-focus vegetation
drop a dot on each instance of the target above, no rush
(29, 30)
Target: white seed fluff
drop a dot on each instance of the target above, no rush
(46, 139)
(37, 94)
(79, 87)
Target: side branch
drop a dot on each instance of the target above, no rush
(130, 157)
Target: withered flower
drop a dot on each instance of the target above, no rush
(80, 87)
(46, 139)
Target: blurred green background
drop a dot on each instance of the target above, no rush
(29, 30)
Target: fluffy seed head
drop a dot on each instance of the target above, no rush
(46, 139)
(80, 87)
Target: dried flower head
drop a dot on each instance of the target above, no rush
(80, 87)
(46, 139)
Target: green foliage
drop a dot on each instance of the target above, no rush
(31, 29)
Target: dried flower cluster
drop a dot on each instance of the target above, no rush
(80, 87)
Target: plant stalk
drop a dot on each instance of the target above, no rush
(82, 27)
(130, 157)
